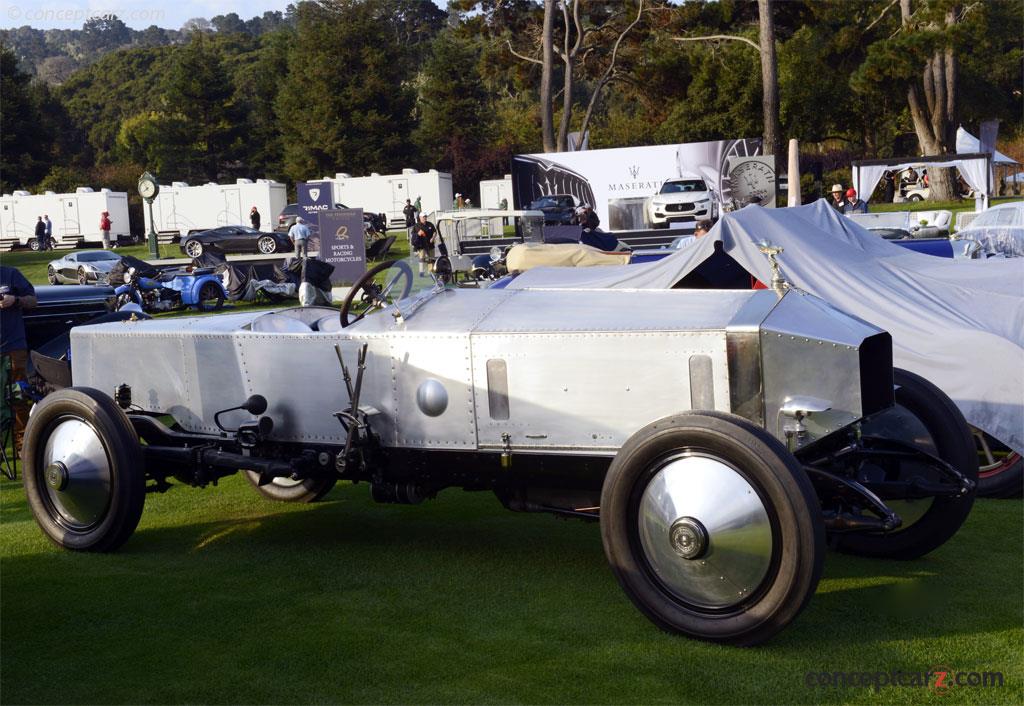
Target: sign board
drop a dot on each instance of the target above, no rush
(342, 244)
(619, 182)
(314, 197)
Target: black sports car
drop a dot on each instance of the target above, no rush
(236, 239)
(559, 209)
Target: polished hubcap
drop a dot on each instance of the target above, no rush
(77, 474)
(705, 531)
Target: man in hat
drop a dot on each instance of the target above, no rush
(853, 204)
(837, 197)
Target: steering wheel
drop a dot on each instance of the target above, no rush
(368, 295)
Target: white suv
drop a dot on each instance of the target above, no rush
(684, 198)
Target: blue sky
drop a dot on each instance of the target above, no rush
(138, 14)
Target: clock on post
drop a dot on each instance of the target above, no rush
(148, 190)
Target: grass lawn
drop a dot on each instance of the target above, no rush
(222, 597)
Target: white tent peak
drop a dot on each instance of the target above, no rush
(966, 143)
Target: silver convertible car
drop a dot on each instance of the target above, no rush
(718, 437)
(82, 267)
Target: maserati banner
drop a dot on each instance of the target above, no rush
(342, 244)
(627, 186)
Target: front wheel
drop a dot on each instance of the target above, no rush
(51, 275)
(84, 477)
(83, 278)
(193, 248)
(211, 297)
(266, 245)
(925, 417)
(34, 244)
(288, 490)
(914, 198)
(712, 528)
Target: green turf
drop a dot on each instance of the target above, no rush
(222, 597)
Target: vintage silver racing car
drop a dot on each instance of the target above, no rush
(718, 436)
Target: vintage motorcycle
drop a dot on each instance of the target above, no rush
(200, 288)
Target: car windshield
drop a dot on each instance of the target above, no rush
(246, 229)
(553, 202)
(97, 256)
(682, 186)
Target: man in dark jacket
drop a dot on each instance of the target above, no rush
(423, 238)
(16, 295)
(40, 235)
(254, 218)
(410, 217)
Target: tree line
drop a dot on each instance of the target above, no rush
(378, 85)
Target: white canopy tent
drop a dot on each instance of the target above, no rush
(960, 323)
(966, 143)
(975, 168)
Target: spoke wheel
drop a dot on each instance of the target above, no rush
(82, 277)
(211, 297)
(1000, 470)
(712, 528)
(266, 245)
(368, 295)
(84, 476)
(193, 248)
(289, 490)
(51, 275)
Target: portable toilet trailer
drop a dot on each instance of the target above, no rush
(386, 193)
(492, 191)
(75, 217)
(180, 209)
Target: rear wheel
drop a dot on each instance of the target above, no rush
(84, 477)
(193, 248)
(926, 418)
(33, 244)
(915, 198)
(266, 245)
(712, 528)
(287, 490)
(211, 297)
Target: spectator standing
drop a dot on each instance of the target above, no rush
(418, 205)
(889, 190)
(410, 217)
(49, 232)
(423, 241)
(40, 234)
(299, 234)
(469, 203)
(837, 197)
(105, 224)
(254, 218)
(853, 204)
(16, 296)
(503, 205)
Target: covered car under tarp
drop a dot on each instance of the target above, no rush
(958, 323)
(142, 269)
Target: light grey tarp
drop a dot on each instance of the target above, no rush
(958, 323)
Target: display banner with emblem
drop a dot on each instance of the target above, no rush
(314, 197)
(342, 244)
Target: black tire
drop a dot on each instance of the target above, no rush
(51, 275)
(366, 292)
(289, 491)
(914, 198)
(82, 277)
(33, 245)
(123, 299)
(74, 516)
(193, 248)
(774, 481)
(266, 245)
(211, 297)
(928, 523)
(1000, 469)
